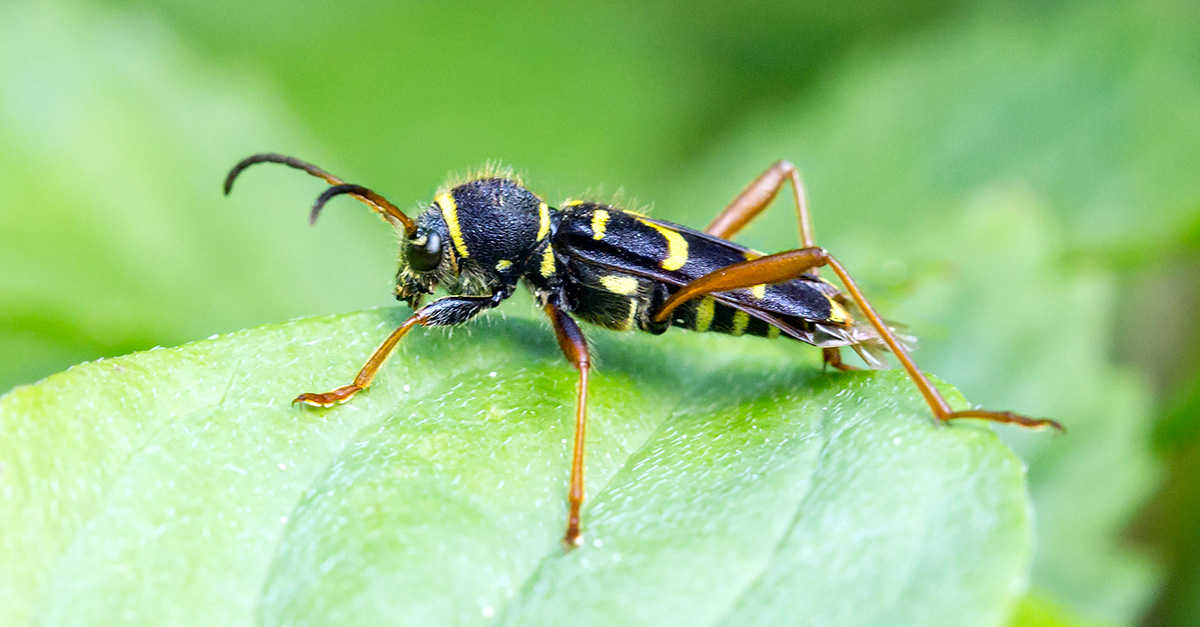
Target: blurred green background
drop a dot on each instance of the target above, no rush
(1018, 182)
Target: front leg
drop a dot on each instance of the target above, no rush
(447, 311)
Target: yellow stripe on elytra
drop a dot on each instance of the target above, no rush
(837, 313)
(677, 247)
(705, 311)
(741, 320)
(618, 284)
(757, 291)
(543, 221)
(599, 222)
(573, 203)
(450, 214)
(548, 265)
(503, 265)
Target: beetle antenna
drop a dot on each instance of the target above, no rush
(358, 191)
(376, 202)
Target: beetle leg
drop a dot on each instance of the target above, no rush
(365, 376)
(790, 264)
(574, 347)
(446, 311)
(755, 198)
(833, 357)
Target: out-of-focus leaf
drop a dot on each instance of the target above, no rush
(1095, 107)
(1036, 611)
(728, 480)
(1173, 521)
(613, 93)
(909, 140)
(117, 124)
(113, 232)
(1024, 331)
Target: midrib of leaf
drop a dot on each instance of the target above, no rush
(530, 575)
(680, 407)
(688, 403)
(751, 583)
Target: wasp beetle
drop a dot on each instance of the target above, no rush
(620, 270)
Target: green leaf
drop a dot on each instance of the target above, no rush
(1046, 339)
(730, 480)
(114, 235)
(1037, 611)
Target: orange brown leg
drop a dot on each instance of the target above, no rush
(446, 311)
(755, 198)
(790, 264)
(833, 357)
(365, 376)
(753, 201)
(574, 346)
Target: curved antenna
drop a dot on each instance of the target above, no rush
(363, 194)
(377, 203)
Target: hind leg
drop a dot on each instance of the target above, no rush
(790, 264)
(753, 201)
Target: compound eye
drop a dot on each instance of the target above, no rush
(424, 253)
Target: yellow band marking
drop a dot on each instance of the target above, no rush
(773, 332)
(741, 320)
(503, 265)
(757, 291)
(677, 247)
(543, 221)
(632, 317)
(618, 284)
(837, 313)
(704, 314)
(548, 265)
(573, 203)
(450, 213)
(599, 221)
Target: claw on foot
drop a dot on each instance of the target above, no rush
(573, 537)
(570, 541)
(328, 399)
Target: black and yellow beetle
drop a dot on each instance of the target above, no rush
(620, 270)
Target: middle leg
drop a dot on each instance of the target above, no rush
(574, 347)
(754, 200)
